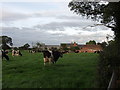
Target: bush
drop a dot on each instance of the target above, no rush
(109, 60)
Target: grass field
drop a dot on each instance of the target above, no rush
(72, 71)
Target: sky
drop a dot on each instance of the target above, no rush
(48, 22)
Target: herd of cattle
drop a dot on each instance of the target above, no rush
(14, 53)
(50, 56)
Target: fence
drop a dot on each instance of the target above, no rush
(112, 83)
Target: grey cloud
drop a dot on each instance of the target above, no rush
(24, 35)
(61, 25)
(79, 21)
(11, 16)
(77, 25)
(69, 17)
(51, 26)
(81, 39)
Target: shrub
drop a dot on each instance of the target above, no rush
(109, 60)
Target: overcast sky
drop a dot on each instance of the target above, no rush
(49, 22)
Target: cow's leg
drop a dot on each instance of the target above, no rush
(7, 58)
(49, 59)
(44, 61)
(52, 60)
(2, 57)
(44, 64)
(13, 54)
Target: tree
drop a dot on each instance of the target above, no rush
(111, 42)
(103, 44)
(74, 48)
(5, 41)
(109, 16)
(26, 46)
(91, 42)
(64, 46)
(40, 46)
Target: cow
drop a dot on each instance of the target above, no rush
(4, 55)
(19, 53)
(16, 53)
(51, 56)
(13, 52)
(56, 55)
(32, 51)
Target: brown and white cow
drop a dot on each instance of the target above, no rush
(16, 53)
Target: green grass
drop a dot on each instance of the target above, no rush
(72, 71)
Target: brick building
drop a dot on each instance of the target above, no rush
(90, 48)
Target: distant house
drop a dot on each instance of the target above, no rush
(80, 46)
(53, 46)
(74, 44)
(91, 48)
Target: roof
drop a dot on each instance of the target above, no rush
(95, 47)
(52, 45)
(80, 45)
(66, 43)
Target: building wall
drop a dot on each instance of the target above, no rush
(91, 48)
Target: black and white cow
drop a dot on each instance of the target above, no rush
(51, 56)
(4, 55)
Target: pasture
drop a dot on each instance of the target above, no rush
(74, 70)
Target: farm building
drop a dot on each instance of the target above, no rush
(80, 46)
(53, 46)
(69, 45)
(90, 48)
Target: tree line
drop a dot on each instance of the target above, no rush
(6, 43)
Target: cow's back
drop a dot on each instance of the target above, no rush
(46, 54)
(56, 55)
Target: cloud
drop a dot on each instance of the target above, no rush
(71, 27)
(61, 25)
(24, 35)
(12, 12)
(75, 17)
(9, 15)
(36, 1)
(12, 16)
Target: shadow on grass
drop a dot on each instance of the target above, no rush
(62, 65)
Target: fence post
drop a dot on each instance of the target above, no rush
(112, 83)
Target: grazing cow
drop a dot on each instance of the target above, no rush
(76, 51)
(65, 52)
(56, 55)
(13, 52)
(51, 56)
(98, 52)
(32, 51)
(16, 53)
(19, 53)
(4, 55)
